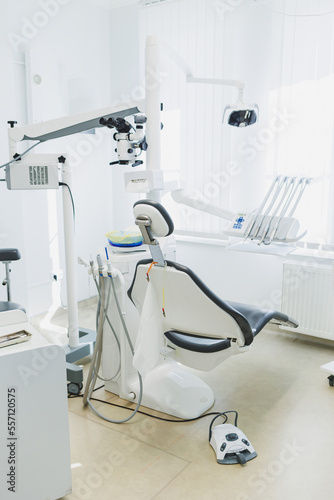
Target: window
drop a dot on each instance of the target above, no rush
(285, 56)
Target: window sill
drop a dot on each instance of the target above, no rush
(320, 256)
(317, 255)
(201, 240)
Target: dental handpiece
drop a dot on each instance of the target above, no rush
(272, 203)
(261, 207)
(291, 195)
(288, 182)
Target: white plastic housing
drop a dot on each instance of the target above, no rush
(144, 181)
(35, 171)
(287, 227)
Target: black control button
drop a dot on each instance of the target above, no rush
(247, 443)
(232, 436)
(223, 446)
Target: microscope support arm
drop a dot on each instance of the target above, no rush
(68, 125)
(53, 129)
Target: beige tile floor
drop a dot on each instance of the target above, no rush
(285, 407)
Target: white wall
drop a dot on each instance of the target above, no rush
(97, 57)
(249, 278)
(126, 86)
(254, 34)
(74, 37)
(237, 276)
(253, 37)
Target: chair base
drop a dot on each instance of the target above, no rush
(171, 389)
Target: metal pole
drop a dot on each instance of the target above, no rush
(7, 281)
(153, 125)
(72, 301)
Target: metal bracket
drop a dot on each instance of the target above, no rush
(144, 223)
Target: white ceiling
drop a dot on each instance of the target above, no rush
(112, 4)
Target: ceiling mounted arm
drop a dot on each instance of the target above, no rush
(242, 114)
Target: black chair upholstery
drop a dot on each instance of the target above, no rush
(196, 343)
(201, 328)
(250, 319)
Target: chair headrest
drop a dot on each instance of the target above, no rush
(161, 222)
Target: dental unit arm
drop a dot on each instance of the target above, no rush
(241, 114)
(272, 222)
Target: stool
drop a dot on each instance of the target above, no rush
(7, 255)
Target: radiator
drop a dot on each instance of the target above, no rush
(308, 297)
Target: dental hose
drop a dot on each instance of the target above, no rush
(111, 327)
(91, 379)
(96, 359)
(112, 330)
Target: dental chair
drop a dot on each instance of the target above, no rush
(7, 255)
(183, 323)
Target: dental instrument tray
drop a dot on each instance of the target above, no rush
(126, 238)
(14, 338)
(274, 219)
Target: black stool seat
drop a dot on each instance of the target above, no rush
(9, 254)
(6, 256)
(10, 306)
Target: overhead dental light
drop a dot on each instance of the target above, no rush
(241, 114)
